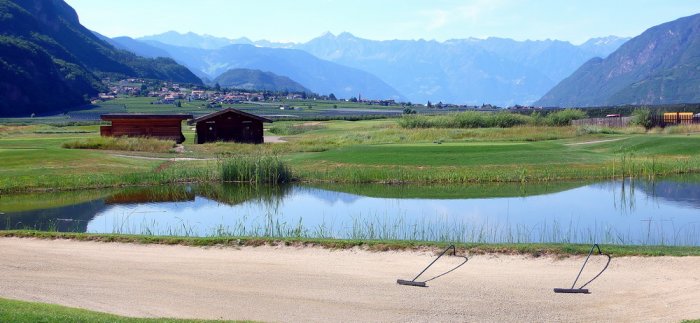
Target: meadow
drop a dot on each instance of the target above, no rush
(43, 156)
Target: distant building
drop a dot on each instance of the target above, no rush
(161, 126)
(230, 125)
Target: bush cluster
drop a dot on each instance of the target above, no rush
(475, 119)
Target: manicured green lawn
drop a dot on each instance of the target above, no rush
(30, 312)
(461, 154)
(31, 160)
(369, 151)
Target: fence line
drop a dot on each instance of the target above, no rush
(604, 122)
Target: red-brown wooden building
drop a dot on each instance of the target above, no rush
(161, 126)
(230, 125)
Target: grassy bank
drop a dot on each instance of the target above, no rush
(533, 249)
(372, 151)
(31, 312)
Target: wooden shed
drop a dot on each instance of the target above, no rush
(230, 125)
(161, 126)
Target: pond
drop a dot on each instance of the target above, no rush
(619, 212)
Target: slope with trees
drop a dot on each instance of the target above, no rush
(49, 62)
(660, 66)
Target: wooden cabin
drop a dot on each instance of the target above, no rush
(161, 126)
(230, 125)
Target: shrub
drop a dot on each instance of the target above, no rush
(564, 117)
(642, 117)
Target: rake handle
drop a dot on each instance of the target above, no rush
(454, 252)
(584, 263)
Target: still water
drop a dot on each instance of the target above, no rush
(621, 212)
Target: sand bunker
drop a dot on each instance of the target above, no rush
(312, 284)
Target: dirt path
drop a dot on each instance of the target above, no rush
(310, 284)
(594, 142)
(274, 139)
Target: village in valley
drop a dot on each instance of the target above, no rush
(172, 93)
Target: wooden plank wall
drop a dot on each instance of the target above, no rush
(603, 122)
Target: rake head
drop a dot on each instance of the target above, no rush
(411, 283)
(571, 290)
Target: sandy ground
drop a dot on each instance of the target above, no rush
(312, 284)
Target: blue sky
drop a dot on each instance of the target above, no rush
(302, 20)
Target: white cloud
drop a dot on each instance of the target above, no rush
(472, 12)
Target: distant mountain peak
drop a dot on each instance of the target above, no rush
(657, 67)
(346, 35)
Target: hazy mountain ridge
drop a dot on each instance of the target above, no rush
(317, 75)
(660, 66)
(493, 70)
(49, 62)
(248, 79)
(194, 40)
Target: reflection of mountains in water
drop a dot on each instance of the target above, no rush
(350, 192)
(329, 197)
(75, 217)
(684, 193)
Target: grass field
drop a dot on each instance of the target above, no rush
(534, 249)
(370, 151)
(30, 312)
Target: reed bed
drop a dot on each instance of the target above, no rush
(475, 119)
(289, 129)
(259, 169)
(435, 229)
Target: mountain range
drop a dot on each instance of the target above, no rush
(660, 66)
(247, 79)
(318, 75)
(49, 62)
(473, 71)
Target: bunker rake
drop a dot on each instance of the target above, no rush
(582, 290)
(423, 283)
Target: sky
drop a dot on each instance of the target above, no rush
(302, 20)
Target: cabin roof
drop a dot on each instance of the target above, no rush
(229, 110)
(137, 116)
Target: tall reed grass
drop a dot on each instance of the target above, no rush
(255, 169)
(439, 229)
(475, 119)
(469, 119)
(123, 143)
(286, 129)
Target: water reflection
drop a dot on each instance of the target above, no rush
(621, 212)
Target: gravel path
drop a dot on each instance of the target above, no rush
(314, 285)
(594, 142)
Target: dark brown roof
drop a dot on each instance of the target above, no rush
(224, 111)
(121, 116)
